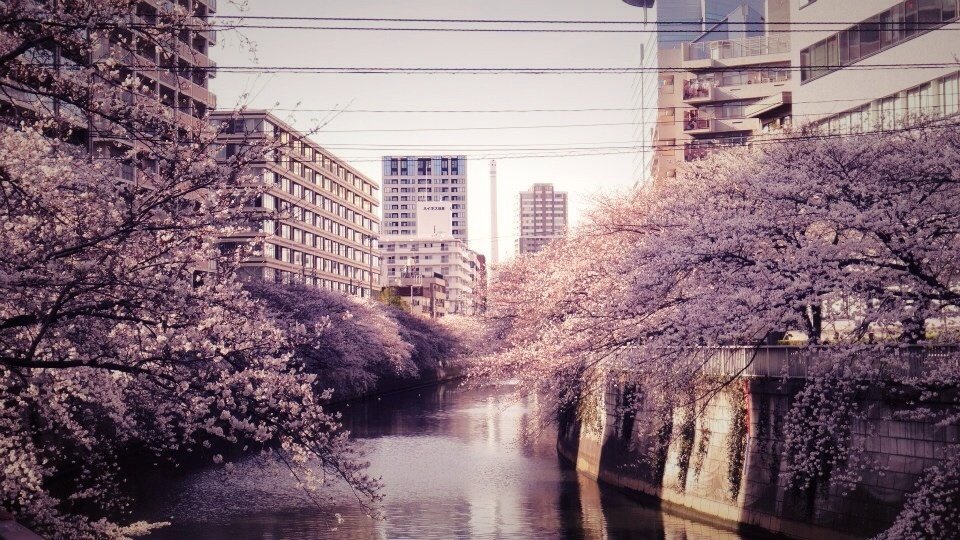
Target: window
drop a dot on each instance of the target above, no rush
(869, 36)
(950, 94)
(911, 15)
(929, 14)
(889, 30)
(949, 10)
(883, 30)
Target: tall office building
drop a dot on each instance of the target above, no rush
(669, 24)
(846, 81)
(541, 217)
(317, 222)
(727, 85)
(425, 196)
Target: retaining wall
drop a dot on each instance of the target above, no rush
(724, 465)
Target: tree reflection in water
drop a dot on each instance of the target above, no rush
(457, 463)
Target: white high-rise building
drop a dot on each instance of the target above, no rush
(406, 260)
(425, 225)
(541, 217)
(425, 196)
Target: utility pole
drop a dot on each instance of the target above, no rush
(370, 239)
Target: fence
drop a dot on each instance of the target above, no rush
(736, 48)
(782, 361)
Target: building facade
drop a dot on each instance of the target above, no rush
(892, 62)
(720, 92)
(171, 73)
(426, 295)
(408, 258)
(317, 221)
(425, 196)
(542, 216)
(669, 24)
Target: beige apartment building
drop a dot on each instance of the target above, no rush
(172, 75)
(317, 221)
(887, 62)
(426, 295)
(406, 258)
(721, 92)
(542, 216)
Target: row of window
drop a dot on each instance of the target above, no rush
(882, 31)
(315, 241)
(423, 165)
(411, 232)
(316, 219)
(299, 145)
(414, 223)
(309, 196)
(283, 276)
(424, 190)
(937, 97)
(312, 262)
(317, 179)
(393, 198)
(427, 181)
(405, 215)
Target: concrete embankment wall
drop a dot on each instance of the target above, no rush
(724, 465)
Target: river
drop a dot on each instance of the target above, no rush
(455, 465)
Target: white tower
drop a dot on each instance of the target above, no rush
(494, 242)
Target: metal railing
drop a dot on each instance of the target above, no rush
(798, 362)
(736, 48)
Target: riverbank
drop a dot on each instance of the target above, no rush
(724, 466)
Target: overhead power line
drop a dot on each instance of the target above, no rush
(761, 141)
(522, 111)
(389, 70)
(544, 21)
(508, 30)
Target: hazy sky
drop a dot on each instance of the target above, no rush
(361, 138)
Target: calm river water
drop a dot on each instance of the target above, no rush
(455, 466)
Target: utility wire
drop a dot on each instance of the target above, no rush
(517, 30)
(718, 143)
(389, 70)
(497, 111)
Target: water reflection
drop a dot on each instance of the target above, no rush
(455, 466)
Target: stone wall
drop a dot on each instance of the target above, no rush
(724, 464)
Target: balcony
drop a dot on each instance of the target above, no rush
(732, 52)
(769, 104)
(694, 126)
(698, 90)
(699, 149)
(696, 122)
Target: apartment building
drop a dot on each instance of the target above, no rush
(317, 222)
(408, 258)
(720, 92)
(542, 216)
(171, 74)
(426, 295)
(886, 63)
(425, 196)
(669, 24)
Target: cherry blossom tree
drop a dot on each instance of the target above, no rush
(348, 345)
(848, 241)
